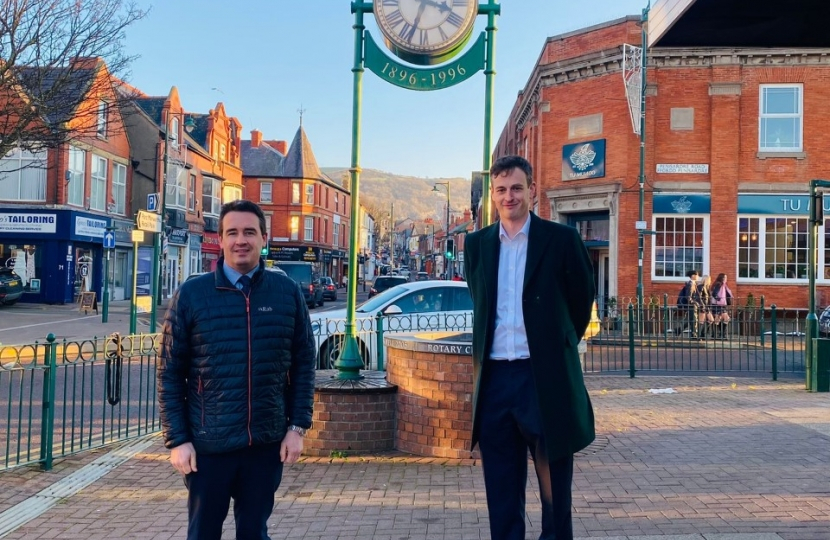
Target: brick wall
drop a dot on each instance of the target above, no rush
(353, 422)
(434, 402)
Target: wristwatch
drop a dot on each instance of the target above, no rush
(300, 431)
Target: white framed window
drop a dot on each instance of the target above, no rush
(174, 132)
(336, 202)
(23, 176)
(211, 196)
(772, 248)
(781, 118)
(176, 186)
(268, 217)
(119, 188)
(265, 192)
(98, 188)
(308, 229)
(295, 193)
(294, 225)
(335, 232)
(77, 178)
(191, 194)
(231, 193)
(680, 245)
(101, 128)
(309, 194)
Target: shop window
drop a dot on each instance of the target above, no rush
(25, 261)
(679, 246)
(23, 176)
(781, 118)
(75, 176)
(772, 248)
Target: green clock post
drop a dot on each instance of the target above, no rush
(421, 33)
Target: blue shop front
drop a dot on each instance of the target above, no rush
(57, 253)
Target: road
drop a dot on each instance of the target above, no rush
(27, 323)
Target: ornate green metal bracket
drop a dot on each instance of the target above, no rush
(424, 79)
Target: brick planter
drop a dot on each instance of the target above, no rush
(351, 417)
(434, 376)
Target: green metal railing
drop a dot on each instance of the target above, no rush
(743, 337)
(62, 397)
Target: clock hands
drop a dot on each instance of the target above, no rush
(417, 21)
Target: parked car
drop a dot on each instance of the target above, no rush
(329, 288)
(308, 280)
(422, 276)
(429, 306)
(385, 282)
(11, 287)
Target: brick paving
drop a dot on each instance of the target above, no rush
(721, 459)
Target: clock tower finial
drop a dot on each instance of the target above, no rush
(301, 111)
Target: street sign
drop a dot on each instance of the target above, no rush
(153, 202)
(149, 222)
(109, 240)
(137, 236)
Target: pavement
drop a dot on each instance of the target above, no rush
(702, 458)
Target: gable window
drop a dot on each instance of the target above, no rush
(781, 118)
(308, 230)
(119, 188)
(265, 192)
(23, 176)
(174, 133)
(211, 196)
(98, 189)
(222, 152)
(309, 194)
(77, 180)
(295, 227)
(102, 119)
(295, 193)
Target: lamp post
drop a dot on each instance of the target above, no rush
(392, 237)
(157, 241)
(642, 179)
(447, 231)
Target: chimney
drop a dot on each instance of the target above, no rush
(256, 138)
(279, 146)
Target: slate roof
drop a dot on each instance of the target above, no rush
(262, 161)
(59, 90)
(152, 106)
(300, 161)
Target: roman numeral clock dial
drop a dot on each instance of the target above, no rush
(425, 31)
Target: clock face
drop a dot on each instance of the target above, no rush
(429, 29)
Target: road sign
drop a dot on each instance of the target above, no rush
(153, 202)
(109, 240)
(148, 221)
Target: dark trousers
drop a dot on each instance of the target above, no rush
(250, 476)
(510, 425)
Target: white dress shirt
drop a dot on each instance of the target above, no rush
(510, 337)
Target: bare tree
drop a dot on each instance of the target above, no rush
(54, 54)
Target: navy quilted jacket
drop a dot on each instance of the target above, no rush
(235, 371)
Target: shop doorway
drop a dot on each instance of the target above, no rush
(171, 275)
(601, 260)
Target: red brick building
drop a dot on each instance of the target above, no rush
(733, 135)
(308, 213)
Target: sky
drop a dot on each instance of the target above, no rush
(268, 59)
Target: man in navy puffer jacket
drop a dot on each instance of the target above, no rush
(235, 381)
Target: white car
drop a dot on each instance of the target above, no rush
(420, 306)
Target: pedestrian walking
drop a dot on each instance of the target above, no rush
(532, 286)
(235, 381)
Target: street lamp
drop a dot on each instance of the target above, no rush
(189, 125)
(447, 232)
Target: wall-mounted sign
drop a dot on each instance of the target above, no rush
(294, 253)
(683, 168)
(28, 223)
(680, 203)
(178, 237)
(583, 160)
(781, 205)
(95, 228)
